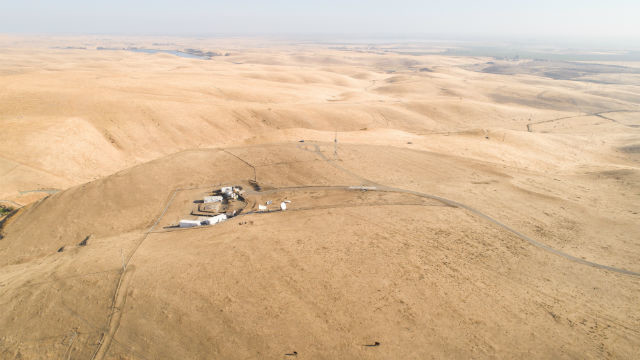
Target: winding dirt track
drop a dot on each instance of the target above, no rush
(13, 203)
(119, 297)
(515, 232)
(457, 205)
(380, 187)
(598, 114)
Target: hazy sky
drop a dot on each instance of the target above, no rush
(570, 18)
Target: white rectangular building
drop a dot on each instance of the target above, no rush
(189, 223)
(215, 219)
(210, 199)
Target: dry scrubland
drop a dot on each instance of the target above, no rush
(550, 152)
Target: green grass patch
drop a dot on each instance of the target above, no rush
(4, 210)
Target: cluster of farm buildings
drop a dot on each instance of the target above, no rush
(222, 205)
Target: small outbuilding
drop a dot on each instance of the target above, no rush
(211, 199)
(189, 223)
(215, 219)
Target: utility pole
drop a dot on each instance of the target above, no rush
(335, 146)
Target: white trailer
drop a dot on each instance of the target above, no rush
(189, 223)
(215, 219)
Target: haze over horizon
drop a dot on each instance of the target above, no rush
(587, 21)
(319, 180)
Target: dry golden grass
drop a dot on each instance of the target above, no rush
(118, 132)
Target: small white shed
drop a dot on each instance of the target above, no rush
(189, 223)
(210, 199)
(216, 219)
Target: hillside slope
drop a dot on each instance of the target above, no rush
(74, 115)
(422, 279)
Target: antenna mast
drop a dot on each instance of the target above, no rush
(335, 146)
